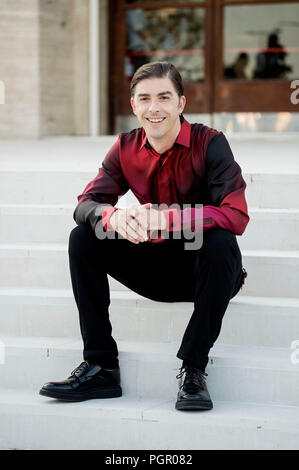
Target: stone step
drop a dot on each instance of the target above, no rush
(253, 151)
(235, 373)
(239, 375)
(251, 321)
(272, 229)
(270, 273)
(32, 422)
(56, 170)
(263, 190)
(36, 223)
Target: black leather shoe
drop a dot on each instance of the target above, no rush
(193, 393)
(85, 382)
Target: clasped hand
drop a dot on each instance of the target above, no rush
(137, 223)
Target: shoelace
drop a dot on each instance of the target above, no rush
(194, 378)
(81, 368)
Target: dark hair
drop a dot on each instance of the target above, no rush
(158, 70)
(243, 55)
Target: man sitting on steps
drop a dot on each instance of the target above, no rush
(166, 161)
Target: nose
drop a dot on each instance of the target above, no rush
(154, 106)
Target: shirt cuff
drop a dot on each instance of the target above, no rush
(106, 218)
(209, 221)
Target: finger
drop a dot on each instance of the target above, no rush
(143, 220)
(135, 225)
(132, 211)
(147, 204)
(137, 222)
(144, 215)
(139, 231)
(121, 226)
(125, 235)
(132, 233)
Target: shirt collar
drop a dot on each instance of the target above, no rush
(183, 137)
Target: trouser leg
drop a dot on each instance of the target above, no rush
(209, 277)
(91, 292)
(149, 270)
(218, 278)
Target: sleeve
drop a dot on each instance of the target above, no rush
(226, 188)
(96, 203)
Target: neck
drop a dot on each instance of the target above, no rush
(166, 142)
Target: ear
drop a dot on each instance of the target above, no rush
(132, 105)
(182, 103)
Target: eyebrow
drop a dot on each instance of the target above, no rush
(140, 95)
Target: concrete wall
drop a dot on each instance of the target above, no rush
(19, 67)
(81, 66)
(103, 66)
(44, 57)
(56, 67)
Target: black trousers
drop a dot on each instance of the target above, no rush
(209, 277)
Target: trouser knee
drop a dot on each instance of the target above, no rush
(80, 239)
(219, 243)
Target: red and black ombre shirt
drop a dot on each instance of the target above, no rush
(198, 169)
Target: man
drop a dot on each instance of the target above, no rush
(167, 161)
(237, 70)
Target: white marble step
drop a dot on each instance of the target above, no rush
(251, 321)
(276, 229)
(56, 170)
(264, 152)
(149, 369)
(30, 421)
(270, 272)
(62, 187)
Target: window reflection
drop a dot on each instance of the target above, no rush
(238, 68)
(272, 62)
(172, 34)
(261, 42)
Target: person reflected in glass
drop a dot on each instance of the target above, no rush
(237, 69)
(271, 63)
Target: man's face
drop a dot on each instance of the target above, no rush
(157, 106)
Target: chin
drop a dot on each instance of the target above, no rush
(156, 135)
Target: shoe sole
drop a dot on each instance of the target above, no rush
(107, 393)
(193, 405)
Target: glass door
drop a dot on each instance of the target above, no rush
(233, 55)
(175, 31)
(257, 55)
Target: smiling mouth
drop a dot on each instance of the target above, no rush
(155, 120)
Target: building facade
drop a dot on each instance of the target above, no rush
(66, 65)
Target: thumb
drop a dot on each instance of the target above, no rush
(147, 205)
(137, 208)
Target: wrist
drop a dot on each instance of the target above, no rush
(106, 218)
